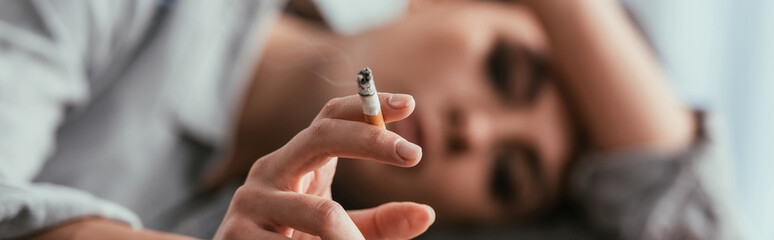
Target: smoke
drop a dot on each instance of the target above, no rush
(325, 54)
(339, 56)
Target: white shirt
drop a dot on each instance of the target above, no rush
(111, 108)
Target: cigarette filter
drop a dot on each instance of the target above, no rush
(368, 98)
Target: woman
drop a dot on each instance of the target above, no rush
(508, 97)
(503, 99)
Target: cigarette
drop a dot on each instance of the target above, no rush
(368, 98)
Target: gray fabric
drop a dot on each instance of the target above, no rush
(647, 194)
(84, 130)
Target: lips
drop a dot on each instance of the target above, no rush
(410, 129)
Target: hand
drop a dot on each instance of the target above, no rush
(287, 192)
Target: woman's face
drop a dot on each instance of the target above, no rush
(495, 132)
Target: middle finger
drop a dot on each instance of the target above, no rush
(327, 138)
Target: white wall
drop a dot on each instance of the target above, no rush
(720, 54)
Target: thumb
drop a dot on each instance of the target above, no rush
(393, 220)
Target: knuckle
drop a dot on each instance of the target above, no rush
(253, 201)
(320, 128)
(235, 228)
(330, 214)
(259, 165)
(245, 195)
(229, 232)
(375, 136)
(331, 107)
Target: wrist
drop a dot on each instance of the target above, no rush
(100, 228)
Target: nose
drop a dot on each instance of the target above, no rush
(475, 130)
(468, 131)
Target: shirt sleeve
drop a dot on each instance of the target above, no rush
(646, 194)
(43, 72)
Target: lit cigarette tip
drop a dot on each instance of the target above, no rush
(368, 98)
(365, 82)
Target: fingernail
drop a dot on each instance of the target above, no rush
(431, 212)
(408, 151)
(399, 100)
(420, 218)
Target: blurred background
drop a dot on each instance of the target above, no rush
(720, 57)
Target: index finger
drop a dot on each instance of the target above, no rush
(394, 107)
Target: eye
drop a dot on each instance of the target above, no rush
(539, 70)
(502, 184)
(516, 75)
(499, 69)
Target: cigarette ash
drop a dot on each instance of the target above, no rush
(365, 82)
